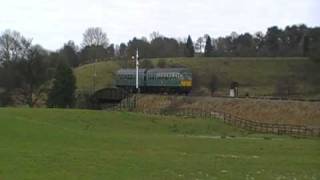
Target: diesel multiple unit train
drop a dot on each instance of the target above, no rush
(158, 80)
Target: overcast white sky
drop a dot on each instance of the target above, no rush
(51, 23)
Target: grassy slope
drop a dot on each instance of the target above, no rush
(105, 75)
(74, 144)
(268, 111)
(257, 76)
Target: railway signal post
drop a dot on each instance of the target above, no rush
(137, 71)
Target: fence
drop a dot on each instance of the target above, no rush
(274, 98)
(253, 126)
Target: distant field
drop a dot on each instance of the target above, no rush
(81, 144)
(257, 76)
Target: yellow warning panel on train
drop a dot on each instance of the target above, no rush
(186, 83)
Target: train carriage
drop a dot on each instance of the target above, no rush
(126, 79)
(171, 80)
(158, 80)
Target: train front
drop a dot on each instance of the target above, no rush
(186, 81)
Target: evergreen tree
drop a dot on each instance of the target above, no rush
(189, 52)
(208, 48)
(62, 94)
(70, 54)
(111, 51)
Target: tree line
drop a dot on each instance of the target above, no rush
(292, 41)
(30, 75)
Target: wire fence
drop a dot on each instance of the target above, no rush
(130, 104)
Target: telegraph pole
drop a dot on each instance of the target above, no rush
(137, 71)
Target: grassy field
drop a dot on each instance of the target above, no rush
(82, 144)
(257, 76)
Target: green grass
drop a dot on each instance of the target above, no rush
(82, 144)
(257, 76)
(105, 75)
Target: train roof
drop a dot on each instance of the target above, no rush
(167, 70)
(153, 70)
(130, 71)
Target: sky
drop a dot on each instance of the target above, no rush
(51, 23)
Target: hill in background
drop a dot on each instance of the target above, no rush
(256, 76)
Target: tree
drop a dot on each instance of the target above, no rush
(62, 94)
(164, 47)
(123, 50)
(72, 45)
(155, 35)
(273, 40)
(189, 51)
(142, 45)
(23, 69)
(33, 71)
(245, 45)
(313, 48)
(208, 48)
(94, 36)
(90, 53)
(111, 51)
(259, 43)
(13, 46)
(199, 44)
(69, 53)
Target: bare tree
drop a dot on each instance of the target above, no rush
(155, 35)
(24, 70)
(199, 44)
(94, 36)
(13, 46)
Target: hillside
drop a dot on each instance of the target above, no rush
(267, 111)
(81, 144)
(256, 76)
(105, 74)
